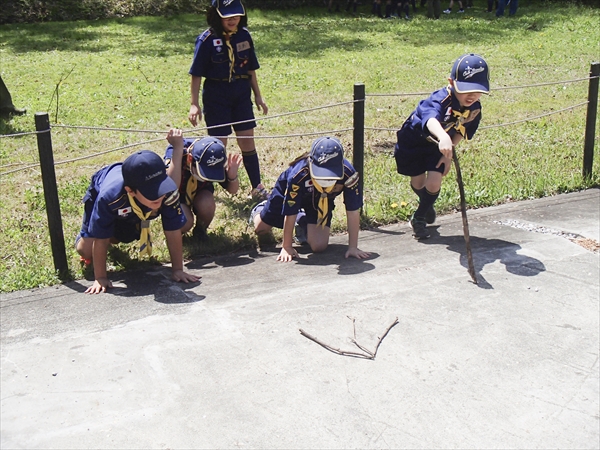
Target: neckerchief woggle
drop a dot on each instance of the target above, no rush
(145, 239)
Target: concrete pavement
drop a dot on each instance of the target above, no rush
(511, 362)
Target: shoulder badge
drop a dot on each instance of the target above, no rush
(352, 181)
(172, 198)
(205, 35)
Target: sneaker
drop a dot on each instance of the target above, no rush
(259, 193)
(460, 11)
(447, 11)
(256, 210)
(300, 229)
(419, 227)
(430, 216)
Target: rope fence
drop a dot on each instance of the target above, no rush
(47, 164)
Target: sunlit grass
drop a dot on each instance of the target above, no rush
(132, 74)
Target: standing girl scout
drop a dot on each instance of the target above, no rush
(303, 196)
(225, 58)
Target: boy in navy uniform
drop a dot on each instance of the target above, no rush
(225, 58)
(427, 138)
(119, 204)
(303, 199)
(194, 165)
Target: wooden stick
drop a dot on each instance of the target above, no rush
(367, 355)
(384, 335)
(333, 349)
(463, 211)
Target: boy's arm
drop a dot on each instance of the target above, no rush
(257, 97)
(353, 223)
(101, 281)
(233, 164)
(444, 141)
(195, 114)
(175, 138)
(288, 252)
(175, 246)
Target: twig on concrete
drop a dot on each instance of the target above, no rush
(367, 353)
(463, 211)
(333, 349)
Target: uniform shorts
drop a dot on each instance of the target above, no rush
(224, 102)
(271, 213)
(417, 160)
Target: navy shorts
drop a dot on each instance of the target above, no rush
(271, 213)
(417, 160)
(224, 102)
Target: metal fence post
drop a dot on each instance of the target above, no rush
(590, 123)
(358, 145)
(57, 240)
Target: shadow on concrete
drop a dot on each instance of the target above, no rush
(488, 251)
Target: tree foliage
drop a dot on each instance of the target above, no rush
(15, 11)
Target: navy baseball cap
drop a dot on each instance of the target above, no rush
(229, 8)
(145, 172)
(209, 158)
(471, 74)
(326, 159)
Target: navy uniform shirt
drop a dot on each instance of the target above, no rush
(294, 190)
(111, 205)
(211, 58)
(443, 106)
(186, 174)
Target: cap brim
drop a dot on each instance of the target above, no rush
(325, 173)
(466, 88)
(233, 12)
(158, 188)
(211, 175)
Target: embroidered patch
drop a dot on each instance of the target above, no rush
(241, 46)
(352, 180)
(172, 199)
(308, 183)
(125, 211)
(218, 42)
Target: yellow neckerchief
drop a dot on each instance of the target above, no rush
(192, 184)
(461, 117)
(227, 36)
(323, 206)
(145, 240)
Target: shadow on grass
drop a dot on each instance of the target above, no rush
(488, 251)
(277, 34)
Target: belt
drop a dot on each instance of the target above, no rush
(235, 77)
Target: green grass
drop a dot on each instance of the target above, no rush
(132, 74)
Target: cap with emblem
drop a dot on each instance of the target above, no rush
(326, 159)
(209, 158)
(229, 8)
(471, 74)
(145, 172)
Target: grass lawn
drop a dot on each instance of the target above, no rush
(131, 74)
